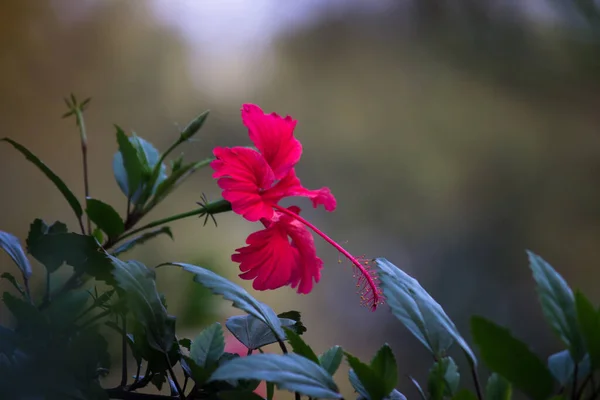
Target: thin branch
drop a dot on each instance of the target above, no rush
(124, 351)
(177, 386)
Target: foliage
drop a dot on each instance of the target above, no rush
(57, 347)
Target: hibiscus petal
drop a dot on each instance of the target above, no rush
(243, 174)
(268, 259)
(309, 266)
(272, 261)
(290, 186)
(274, 138)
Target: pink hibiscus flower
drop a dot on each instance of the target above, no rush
(254, 182)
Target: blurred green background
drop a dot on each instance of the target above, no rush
(454, 134)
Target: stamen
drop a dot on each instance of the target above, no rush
(368, 289)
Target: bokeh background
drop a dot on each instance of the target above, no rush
(455, 134)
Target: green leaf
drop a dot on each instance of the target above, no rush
(589, 325)
(60, 185)
(298, 327)
(331, 359)
(208, 346)
(299, 346)
(512, 359)
(11, 245)
(395, 395)
(128, 245)
(240, 297)
(253, 332)
(372, 386)
(177, 177)
(357, 385)
(562, 366)
(443, 379)
(498, 388)
(81, 252)
(98, 234)
(127, 166)
(270, 390)
(558, 304)
(464, 394)
(30, 321)
(419, 312)
(237, 395)
(288, 371)
(194, 126)
(105, 217)
(9, 277)
(384, 365)
(419, 388)
(139, 288)
(64, 309)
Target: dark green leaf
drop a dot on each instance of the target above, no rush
(158, 380)
(11, 245)
(81, 252)
(331, 359)
(185, 342)
(64, 309)
(298, 327)
(589, 324)
(252, 332)
(464, 394)
(153, 173)
(498, 388)
(139, 288)
(384, 365)
(288, 371)
(105, 217)
(270, 390)
(237, 395)
(30, 321)
(372, 385)
(419, 312)
(443, 379)
(66, 192)
(208, 347)
(9, 277)
(240, 297)
(128, 245)
(299, 346)
(419, 388)
(558, 304)
(194, 126)
(512, 359)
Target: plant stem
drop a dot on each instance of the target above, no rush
(27, 290)
(82, 131)
(285, 351)
(216, 207)
(177, 386)
(249, 352)
(574, 389)
(476, 380)
(47, 297)
(124, 351)
(95, 318)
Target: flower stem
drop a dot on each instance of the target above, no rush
(367, 276)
